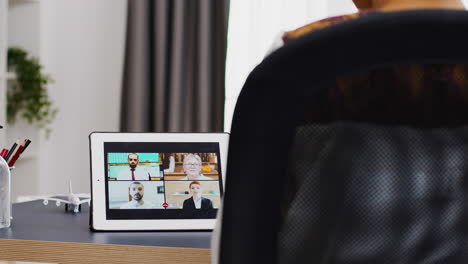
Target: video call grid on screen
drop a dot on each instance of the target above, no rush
(162, 180)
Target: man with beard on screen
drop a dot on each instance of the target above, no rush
(133, 172)
(136, 191)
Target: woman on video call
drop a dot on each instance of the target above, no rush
(197, 201)
(193, 167)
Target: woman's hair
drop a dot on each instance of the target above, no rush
(194, 182)
(194, 156)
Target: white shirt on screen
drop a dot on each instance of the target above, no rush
(135, 205)
(141, 174)
(197, 203)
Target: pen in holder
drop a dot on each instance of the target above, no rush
(5, 194)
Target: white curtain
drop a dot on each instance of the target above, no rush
(254, 26)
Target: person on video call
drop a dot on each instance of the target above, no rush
(193, 167)
(136, 191)
(197, 201)
(133, 172)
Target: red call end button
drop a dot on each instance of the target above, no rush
(165, 205)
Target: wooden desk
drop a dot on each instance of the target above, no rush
(47, 234)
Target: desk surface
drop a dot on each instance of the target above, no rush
(46, 233)
(36, 221)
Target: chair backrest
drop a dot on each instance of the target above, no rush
(268, 127)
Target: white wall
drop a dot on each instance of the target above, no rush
(82, 47)
(3, 45)
(340, 7)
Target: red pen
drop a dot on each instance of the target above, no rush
(4, 152)
(16, 156)
(26, 144)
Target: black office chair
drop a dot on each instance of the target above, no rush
(382, 183)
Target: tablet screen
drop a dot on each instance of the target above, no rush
(147, 180)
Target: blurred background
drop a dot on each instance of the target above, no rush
(136, 65)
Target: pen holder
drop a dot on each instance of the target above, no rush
(5, 194)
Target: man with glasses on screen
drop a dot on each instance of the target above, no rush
(133, 172)
(136, 191)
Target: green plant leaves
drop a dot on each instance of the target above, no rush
(27, 96)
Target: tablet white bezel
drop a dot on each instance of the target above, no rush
(99, 221)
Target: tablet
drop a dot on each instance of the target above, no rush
(156, 181)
